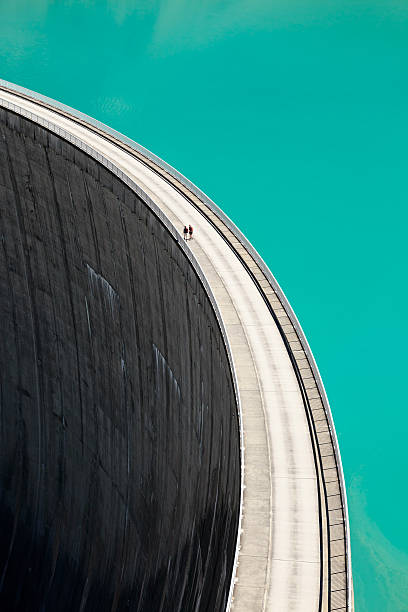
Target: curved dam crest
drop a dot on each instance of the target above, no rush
(120, 460)
(291, 549)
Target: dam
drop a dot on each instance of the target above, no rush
(166, 440)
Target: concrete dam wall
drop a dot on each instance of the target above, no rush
(119, 438)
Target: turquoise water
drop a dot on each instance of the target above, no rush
(294, 119)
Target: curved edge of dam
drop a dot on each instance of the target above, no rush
(330, 529)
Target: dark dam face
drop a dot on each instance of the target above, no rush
(119, 440)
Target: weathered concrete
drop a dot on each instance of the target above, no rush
(119, 442)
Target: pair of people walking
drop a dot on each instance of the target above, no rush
(188, 232)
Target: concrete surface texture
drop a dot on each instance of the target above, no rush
(119, 448)
(294, 550)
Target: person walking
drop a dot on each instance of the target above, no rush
(190, 231)
(185, 232)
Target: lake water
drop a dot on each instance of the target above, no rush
(292, 116)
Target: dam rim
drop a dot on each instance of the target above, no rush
(84, 119)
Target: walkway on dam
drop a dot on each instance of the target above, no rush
(280, 549)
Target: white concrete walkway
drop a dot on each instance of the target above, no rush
(279, 562)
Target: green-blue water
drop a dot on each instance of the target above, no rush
(293, 117)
